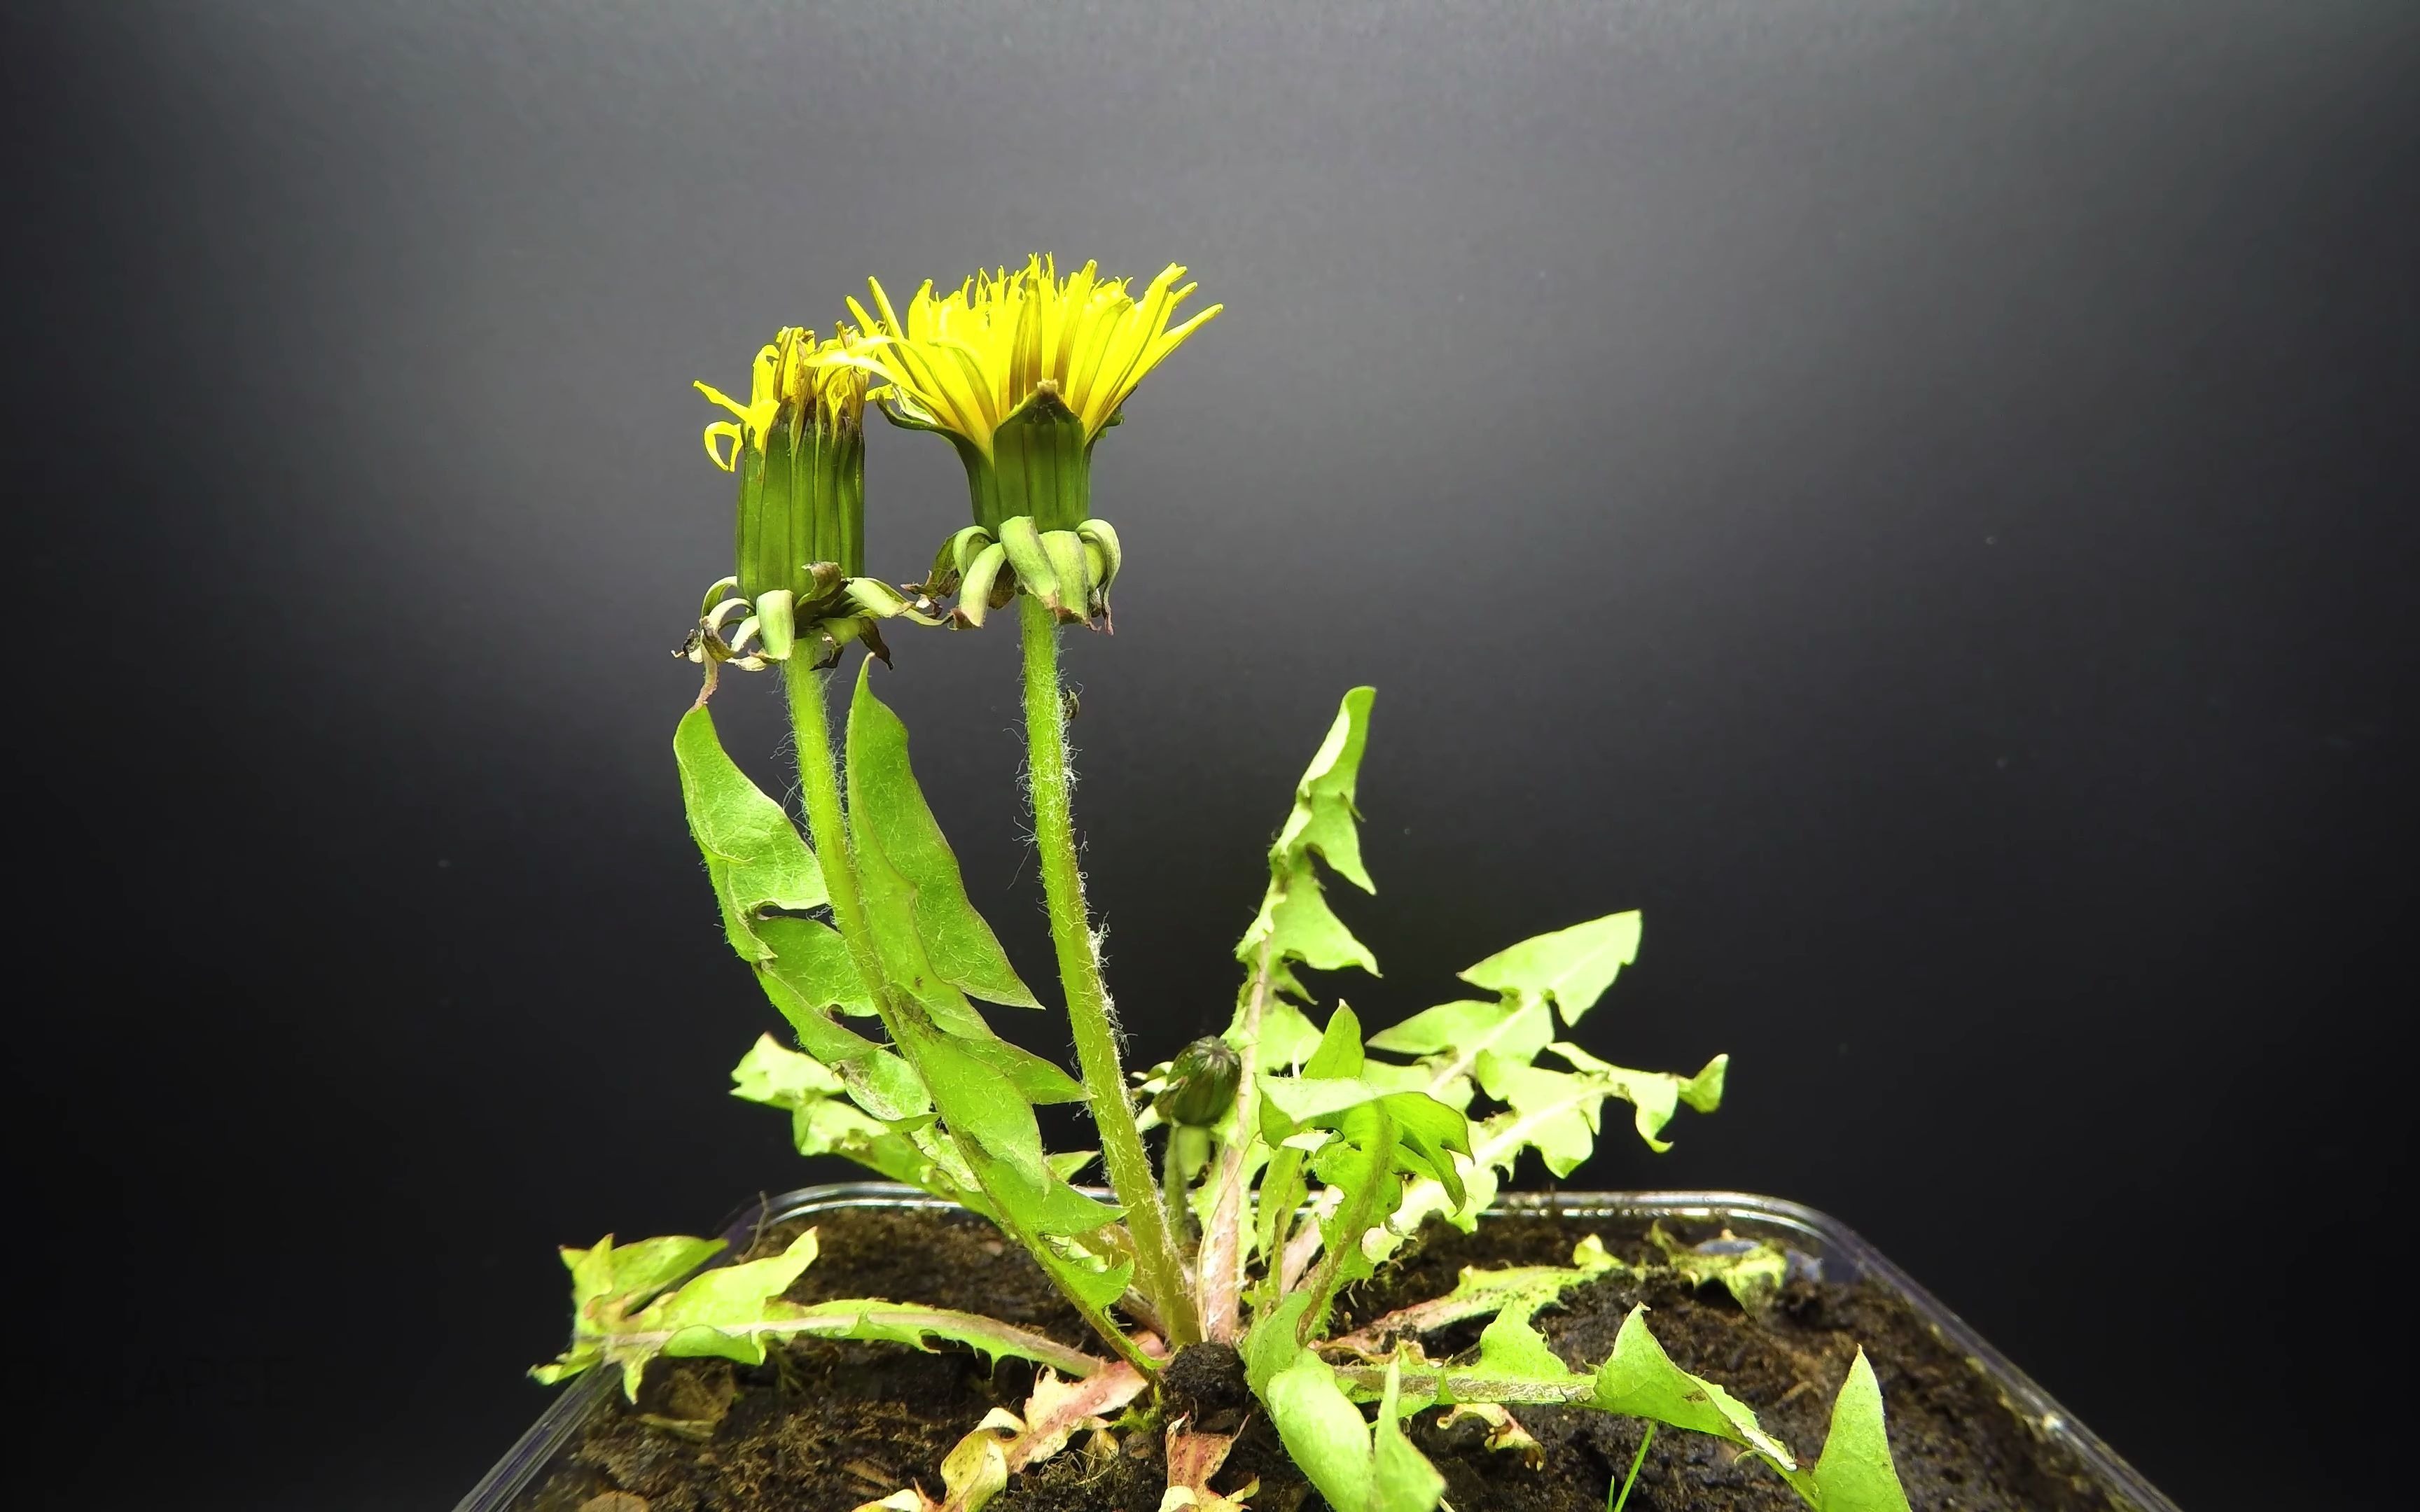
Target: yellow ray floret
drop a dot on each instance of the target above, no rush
(798, 374)
(963, 361)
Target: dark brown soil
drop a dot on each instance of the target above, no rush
(825, 1426)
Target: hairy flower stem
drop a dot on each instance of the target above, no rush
(819, 793)
(1157, 1270)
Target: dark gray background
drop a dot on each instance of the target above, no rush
(1916, 497)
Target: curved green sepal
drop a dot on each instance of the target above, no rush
(981, 583)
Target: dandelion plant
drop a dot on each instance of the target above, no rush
(1296, 1154)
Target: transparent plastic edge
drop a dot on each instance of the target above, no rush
(536, 1449)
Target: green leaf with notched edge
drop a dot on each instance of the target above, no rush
(710, 1315)
(1511, 1346)
(880, 1081)
(1572, 966)
(687, 1322)
(1479, 1293)
(1452, 1037)
(1519, 1028)
(1323, 818)
(1554, 1112)
(1855, 1472)
(1295, 924)
(887, 814)
(754, 856)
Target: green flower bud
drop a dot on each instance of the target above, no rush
(1201, 1084)
(797, 450)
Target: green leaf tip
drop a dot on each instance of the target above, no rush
(1855, 1472)
(1295, 924)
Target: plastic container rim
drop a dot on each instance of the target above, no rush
(1827, 1236)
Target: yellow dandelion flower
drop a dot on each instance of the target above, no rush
(966, 360)
(1022, 370)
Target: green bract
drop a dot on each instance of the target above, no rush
(1298, 1154)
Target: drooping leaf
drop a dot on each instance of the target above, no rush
(713, 1314)
(888, 814)
(1572, 967)
(733, 1311)
(918, 1327)
(606, 1329)
(1639, 1379)
(754, 856)
(1325, 1434)
(608, 1282)
(1479, 1293)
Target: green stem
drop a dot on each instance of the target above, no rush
(1181, 1159)
(1158, 1268)
(1637, 1459)
(819, 793)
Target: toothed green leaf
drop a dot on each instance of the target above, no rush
(1296, 924)
(1572, 966)
(1480, 1293)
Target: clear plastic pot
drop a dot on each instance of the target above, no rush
(1823, 1240)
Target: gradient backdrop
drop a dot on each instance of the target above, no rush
(1916, 497)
